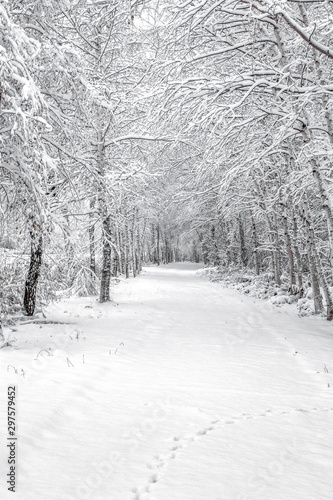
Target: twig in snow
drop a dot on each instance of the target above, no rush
(49, 354)
(121, 343)
(69, 363)
(83, 358)
(11, 366)
(6, 344)
(45, 322)
(325, 368)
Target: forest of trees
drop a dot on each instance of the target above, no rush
(136, 131)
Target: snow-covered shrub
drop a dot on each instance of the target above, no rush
(12, 272)
(262, 287)
(305, 306)
(84, 284)
(6, 242)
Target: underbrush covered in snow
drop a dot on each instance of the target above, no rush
(262, 287)
(59, 278)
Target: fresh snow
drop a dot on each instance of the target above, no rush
(178, 390)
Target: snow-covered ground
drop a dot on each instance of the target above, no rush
(179, 390)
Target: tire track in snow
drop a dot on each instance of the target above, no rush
(160, 463)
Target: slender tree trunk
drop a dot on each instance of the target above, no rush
(125, 243)
(317, 298)
(226, 238)
(272, 235)
(242, 243)
(115, 270)
(134, 258)
(92, 238)
(255, 246)
(106, 266)
(120, 251)
(2, 337)
(298, 256)
(277, 255)
(104, 295)
(139, 253)
(288, 244)
(102, 192)
(30, 289)
(133, 246)
(158, 259)
(130, 251)
(141, 246)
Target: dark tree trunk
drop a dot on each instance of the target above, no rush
(139, 254)
(255, 246)
(242, 243)
(298, 257)
(289, 248)
(158, 259)
(92, 263)
(92, 238)
(29, 301)
(115, 271)
(2, 338)
(126, 252)
(106, 268)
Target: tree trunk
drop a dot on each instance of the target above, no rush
(133, 246)
(115, 270)
(139, 253)
(255, 246)
(317, 298)
(242, 243)
(2, 337)
(158, 245)
(288, 245)
(102, 191)
(121, 251)
(141, 246)
(106, 267)
(277, 255)
(92, 238)
(298, 257)
(272, 235)
(30, 290)
(125, 243)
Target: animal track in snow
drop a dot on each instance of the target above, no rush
(184, 441)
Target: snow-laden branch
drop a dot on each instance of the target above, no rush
(278, 11)
(310, 1)
(231, 49)
(116, 140)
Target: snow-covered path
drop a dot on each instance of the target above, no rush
(182, 390)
